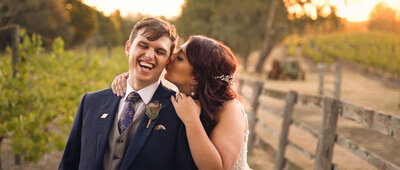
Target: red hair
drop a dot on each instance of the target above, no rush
(209, 59)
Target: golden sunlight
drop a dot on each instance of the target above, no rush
(360, 10)
(169, 9)
(352, 10)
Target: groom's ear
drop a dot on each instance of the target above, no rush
(127, 47)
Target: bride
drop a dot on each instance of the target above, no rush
(216, 125)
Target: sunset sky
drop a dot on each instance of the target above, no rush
(359, 10)
(352, 10)
(168, 8)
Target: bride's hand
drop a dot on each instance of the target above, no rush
(186, 107)
(119, 84)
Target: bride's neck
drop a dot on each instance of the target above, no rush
(184, 89)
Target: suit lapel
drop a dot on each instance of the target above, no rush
(142, 133)
(104, 124)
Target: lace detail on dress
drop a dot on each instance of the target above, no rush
(241, 163)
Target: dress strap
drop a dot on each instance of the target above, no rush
(241, 107)
(244, 114)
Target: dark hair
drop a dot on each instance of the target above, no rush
(155, 28)
(209, 59)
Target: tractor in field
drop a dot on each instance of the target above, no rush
(289, 68)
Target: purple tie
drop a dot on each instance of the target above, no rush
(127, 116)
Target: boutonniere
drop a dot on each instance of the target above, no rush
(152, 111)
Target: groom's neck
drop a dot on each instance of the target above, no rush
(138, 85)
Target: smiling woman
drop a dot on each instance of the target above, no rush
(169, 9)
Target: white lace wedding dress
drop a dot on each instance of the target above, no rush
(241, 163)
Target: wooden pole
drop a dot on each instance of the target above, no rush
(252, 115)
(392, 59)
(240, 86)
(338, 81)
(1, 141)
(291, 99)
(321, 69)
(17, 159)
(14, 61)
(109, 49)
(327, 136)
(14, 47)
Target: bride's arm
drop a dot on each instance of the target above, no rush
(118, 85)
(222, 149)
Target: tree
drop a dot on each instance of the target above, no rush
(278, 25)
(108, 32)
(83, 20)
(236, 23)
(245, 26)
(274, 31)
(126, 24)
(383, 18)
(48, 18)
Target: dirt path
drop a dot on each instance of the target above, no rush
(356, 88)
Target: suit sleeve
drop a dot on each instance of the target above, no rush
(71, 156)
(184, 158)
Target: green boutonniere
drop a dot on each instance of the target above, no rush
(152, 111)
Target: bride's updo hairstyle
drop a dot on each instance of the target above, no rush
(214, 65)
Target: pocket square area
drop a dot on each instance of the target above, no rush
(160, 127)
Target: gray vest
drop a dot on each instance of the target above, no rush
(117, 144)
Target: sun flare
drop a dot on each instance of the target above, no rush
(352, 10)
(360, 10)
(169, 9)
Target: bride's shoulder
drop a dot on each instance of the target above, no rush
(232, 104)
(231, 108)
(231, 114)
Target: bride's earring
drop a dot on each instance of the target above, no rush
(192, 90)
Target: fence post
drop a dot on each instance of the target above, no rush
(252, 115)
(327, 136)
(240, 86)
(14, 61)
(15, 48)
(291, 99)
(338, 80)
(1, 141)
(321, 69)
(392, 58)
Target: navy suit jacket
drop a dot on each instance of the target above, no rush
(148, 149)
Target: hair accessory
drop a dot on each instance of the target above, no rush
(226, 78)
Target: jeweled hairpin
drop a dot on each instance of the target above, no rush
(226, 78)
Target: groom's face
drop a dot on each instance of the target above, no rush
(147, 59)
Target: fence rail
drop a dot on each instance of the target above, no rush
(327, 135)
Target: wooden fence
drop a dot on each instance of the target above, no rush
(327, 135)
(323, 71)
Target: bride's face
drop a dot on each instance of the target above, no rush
(179, 71)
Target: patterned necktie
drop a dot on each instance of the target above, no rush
(127, 117)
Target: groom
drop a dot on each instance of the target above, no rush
(141, 130)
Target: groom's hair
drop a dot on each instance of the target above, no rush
(154, 29)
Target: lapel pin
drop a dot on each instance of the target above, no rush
(104, 115)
